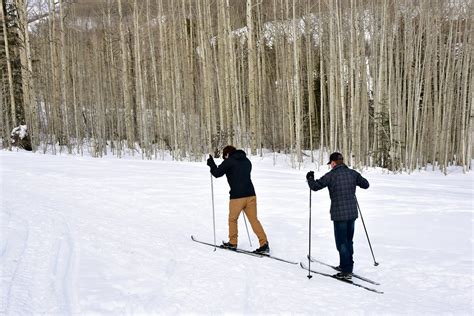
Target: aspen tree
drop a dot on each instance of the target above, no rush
(175, 84)
(296, 87)
(62, 70)
(125, 80)
(76, 114)
(392, 93)
(4, 122)
(445, 100)
(204, 73)
(466, 101)
(189, 98)
(341, 80)
(322, 84)
(261, 76)
(332, 96)
(251, 66)
(310, 75)
(220, 64)
(139, 90)
(354, 86)
(164, 91)
(9, 68)
(114, 97)
(289, 81)
(154, 97)
(232, 113)
(54, 121)
(26, 71)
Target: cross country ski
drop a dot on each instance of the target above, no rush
(303, 266)
(337, 269)
(246, 252)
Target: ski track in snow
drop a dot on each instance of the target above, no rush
(112, 236)
(38, 282)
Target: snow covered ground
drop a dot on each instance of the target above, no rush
(82, 235)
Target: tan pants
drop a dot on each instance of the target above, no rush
(249, 206)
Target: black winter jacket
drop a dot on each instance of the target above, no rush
(341, 182)
(237, 168)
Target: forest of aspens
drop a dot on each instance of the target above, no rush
(388, 83)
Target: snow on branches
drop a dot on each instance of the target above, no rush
(19, 137)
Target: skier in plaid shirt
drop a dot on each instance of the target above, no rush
(341, 182)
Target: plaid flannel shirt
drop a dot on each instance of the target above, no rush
(341, 182)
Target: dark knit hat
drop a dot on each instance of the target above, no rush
(335, 157)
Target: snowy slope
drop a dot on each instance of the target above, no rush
(112, 236)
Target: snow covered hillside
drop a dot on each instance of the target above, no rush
(80, 235)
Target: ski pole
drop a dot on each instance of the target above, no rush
(213, 213)
(363, 223)
(309, 256)
(246, 227)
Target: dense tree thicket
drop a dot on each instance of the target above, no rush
(388, 83)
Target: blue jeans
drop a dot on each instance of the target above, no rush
(344, 232)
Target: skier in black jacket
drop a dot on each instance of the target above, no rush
(341, 182)
(237, 167)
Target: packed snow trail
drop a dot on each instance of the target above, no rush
(80, 235)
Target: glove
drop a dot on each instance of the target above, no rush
(310, 175)
(210, 161)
